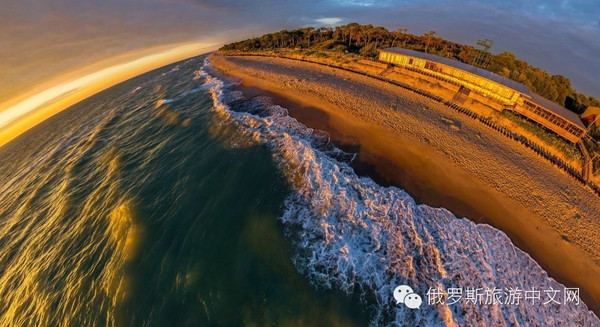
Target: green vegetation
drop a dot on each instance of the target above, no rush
(594, 150)
(567, 148)
(364, 40)
(349, 43)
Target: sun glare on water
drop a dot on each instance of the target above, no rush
(17, 119)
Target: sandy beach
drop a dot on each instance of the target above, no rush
(443, 159)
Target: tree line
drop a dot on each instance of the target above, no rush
(365, 40)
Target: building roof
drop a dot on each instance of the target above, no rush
(591, 110)
(557, 109)
(466, 67)
(539, 100)
(590, 115)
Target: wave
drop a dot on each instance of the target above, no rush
(352, 234)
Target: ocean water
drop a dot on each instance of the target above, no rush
(140, 208)
(171, 200)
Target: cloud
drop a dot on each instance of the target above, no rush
(364, 3)
(53, 37)
(329, 21)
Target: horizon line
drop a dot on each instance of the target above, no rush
(33, 110)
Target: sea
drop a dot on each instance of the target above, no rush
(173, 200)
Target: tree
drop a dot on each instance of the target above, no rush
(366, 39)
(353, 29)
(376, 34)
(309, 32)
(429, 35)
(399, 33)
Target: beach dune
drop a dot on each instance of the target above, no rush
(442, 158)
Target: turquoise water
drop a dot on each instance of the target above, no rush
(131, 211)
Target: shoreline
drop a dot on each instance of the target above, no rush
(398, 155)
(548, 153)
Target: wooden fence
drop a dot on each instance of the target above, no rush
(558, 162)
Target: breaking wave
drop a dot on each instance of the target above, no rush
(352, 234)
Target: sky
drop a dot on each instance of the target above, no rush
(48, 42)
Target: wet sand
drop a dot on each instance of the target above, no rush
(443, 159)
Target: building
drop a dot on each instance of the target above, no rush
(491, 89)
(591, 116)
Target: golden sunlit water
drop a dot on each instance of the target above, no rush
(136, 208)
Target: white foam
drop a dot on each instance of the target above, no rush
(357, 236)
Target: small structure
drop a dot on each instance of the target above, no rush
(591, 116)
(491, 89)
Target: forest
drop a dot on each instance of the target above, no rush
(365, 40)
